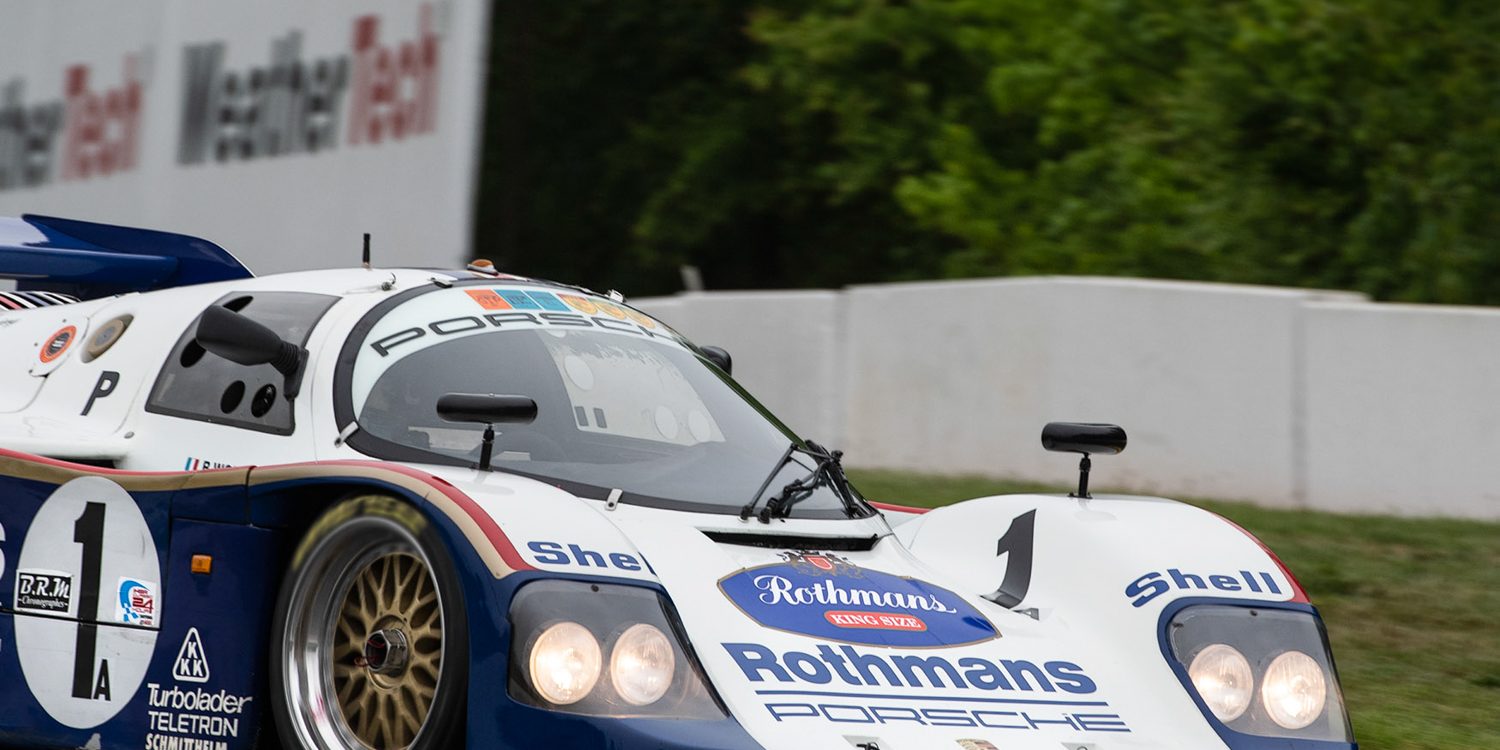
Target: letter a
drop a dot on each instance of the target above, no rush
(101, 689)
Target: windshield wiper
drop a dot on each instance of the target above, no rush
(829, 469)
(785, 456)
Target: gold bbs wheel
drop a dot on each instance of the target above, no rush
(366, 656)
(387, 651)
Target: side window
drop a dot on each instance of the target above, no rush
(194, 384)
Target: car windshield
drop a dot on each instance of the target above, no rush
(623, 403)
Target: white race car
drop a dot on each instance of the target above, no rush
(392, 508)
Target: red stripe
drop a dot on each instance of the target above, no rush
(486, 524)
(9, 303)
(898, 508)
(45, 461)
(1299, 595)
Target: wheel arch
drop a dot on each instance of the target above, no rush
(293, 495)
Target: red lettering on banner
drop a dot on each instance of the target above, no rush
(875, 620)
(394, 92)
(102, 127)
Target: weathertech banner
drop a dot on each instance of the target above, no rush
(280, 129)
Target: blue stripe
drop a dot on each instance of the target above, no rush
(932, 698)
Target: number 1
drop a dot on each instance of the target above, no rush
(1018, 542)
(88, 531)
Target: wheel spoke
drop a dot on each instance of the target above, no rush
(350, 639)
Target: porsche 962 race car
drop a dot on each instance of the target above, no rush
(401, 508)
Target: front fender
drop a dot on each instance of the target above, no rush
(1110, 556)
(1112, 569)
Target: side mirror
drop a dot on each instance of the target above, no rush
(1085, 438)
(486, 408)
(720, 358)
(489, 410)
(239, 339)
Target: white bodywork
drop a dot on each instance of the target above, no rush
(1115, 688)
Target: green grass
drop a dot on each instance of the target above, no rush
(1412, 607)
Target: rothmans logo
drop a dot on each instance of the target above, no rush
(830, 597)
(779, 589)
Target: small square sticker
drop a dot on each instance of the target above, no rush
(488, 299)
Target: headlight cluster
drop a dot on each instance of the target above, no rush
(604, 650)
(1261, 671)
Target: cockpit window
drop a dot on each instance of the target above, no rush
(194, 384)
(623, 402)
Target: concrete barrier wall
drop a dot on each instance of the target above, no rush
(785, 349)
(1289, 398)
(1403, 409)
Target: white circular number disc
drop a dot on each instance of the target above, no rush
(52, 643)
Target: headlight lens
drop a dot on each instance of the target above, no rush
(565, 663)
(566, 634)
(1294, 690)
(1260, 670)
(641, 664)
(1223, 678)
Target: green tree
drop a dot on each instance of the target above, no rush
(1340, 143)
(1347, 143)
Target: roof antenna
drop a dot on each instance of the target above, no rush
(367, 251)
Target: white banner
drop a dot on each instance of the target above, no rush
(280, 129)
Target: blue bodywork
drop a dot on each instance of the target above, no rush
(250, 529)
(88, 260)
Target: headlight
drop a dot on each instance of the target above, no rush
(1260, 670)
(1294, 690)
(1222, 676)
(565, 634)
(641, 664)
(564, 664)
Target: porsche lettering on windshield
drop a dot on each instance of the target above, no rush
(385, 345)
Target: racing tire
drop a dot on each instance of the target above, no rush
(370, 642)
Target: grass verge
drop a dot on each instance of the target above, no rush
(1412, 607)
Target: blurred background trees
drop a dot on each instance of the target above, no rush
(1349, 144)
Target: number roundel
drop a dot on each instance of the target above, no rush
(89, 572)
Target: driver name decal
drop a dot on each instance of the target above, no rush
(827, 596)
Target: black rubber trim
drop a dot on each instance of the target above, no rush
(795, 541)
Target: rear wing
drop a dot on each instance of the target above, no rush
(89, 260)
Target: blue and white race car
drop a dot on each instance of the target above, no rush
(401, 508)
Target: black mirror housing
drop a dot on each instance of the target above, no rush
(489, 410)
(1083, 437)
(486, 408)
(1086, 438)
(720, 358)
(237, 338)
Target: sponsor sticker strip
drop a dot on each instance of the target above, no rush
(193, 718)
